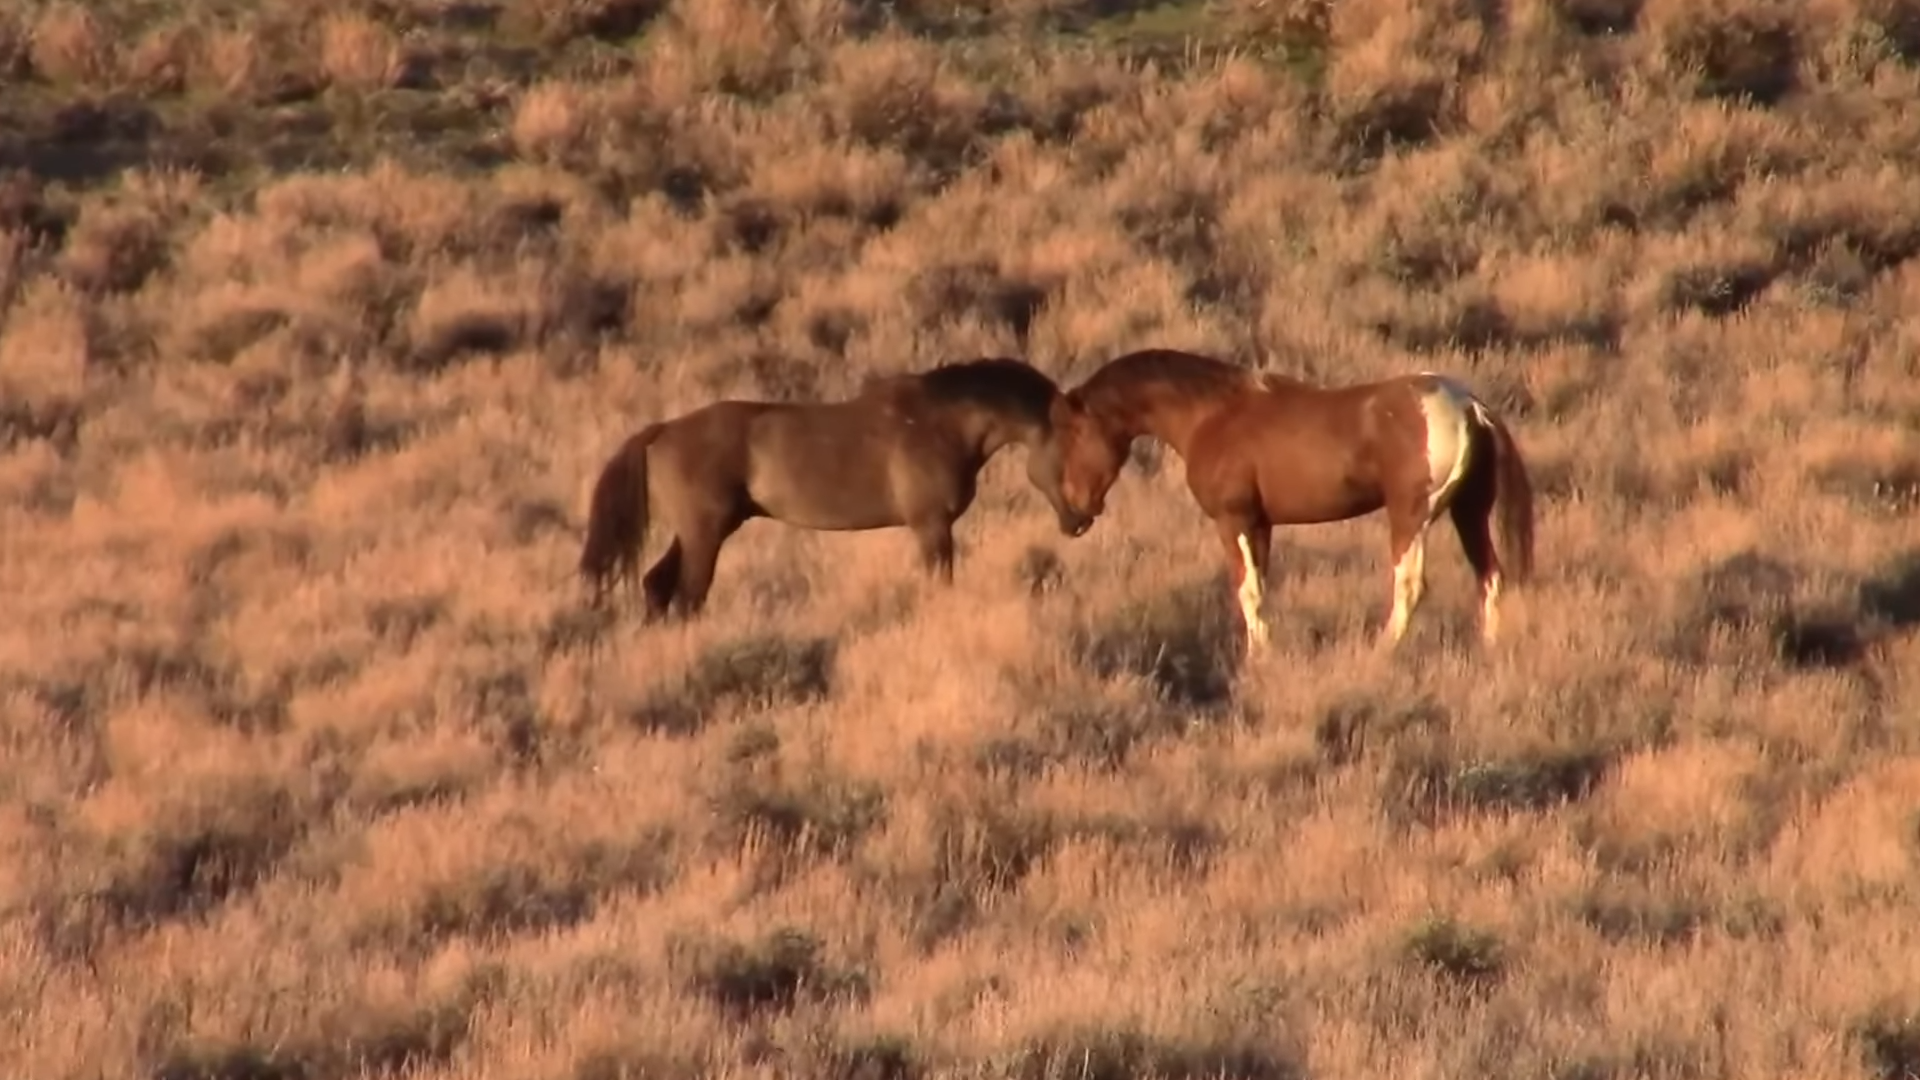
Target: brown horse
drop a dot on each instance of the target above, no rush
(1264, 450)
(906, 450)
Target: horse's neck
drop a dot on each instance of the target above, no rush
(1157, 411)
(977, 429)
(989, 435)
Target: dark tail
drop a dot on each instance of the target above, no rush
(1513, 501)
(617, 522)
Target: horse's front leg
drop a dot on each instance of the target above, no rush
(1247, 546)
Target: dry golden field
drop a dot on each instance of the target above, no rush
(320, 318)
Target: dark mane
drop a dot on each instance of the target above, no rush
(1000, 384)
(1188, 373)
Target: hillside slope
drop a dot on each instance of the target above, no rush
(320, 318)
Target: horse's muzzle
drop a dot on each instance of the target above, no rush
(1076, 526)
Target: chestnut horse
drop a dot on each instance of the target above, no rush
(906, 450)
(1263, 450)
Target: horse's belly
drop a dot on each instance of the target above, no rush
(1304, 487)
(825, 502)
(824, 499)
(833, 519)
(1318, 510)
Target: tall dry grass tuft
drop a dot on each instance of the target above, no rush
(272, 58)
(1897, 21)
(556, 122)
(1395, 70)
(557, 22)
(1739, 50)
(358, 53)
(319, 764)
(748, 50)
(48, 347)
(163, 59)
(118, 242)
(1303, 24)
(895, 90)
(68, 45)
(16, 45)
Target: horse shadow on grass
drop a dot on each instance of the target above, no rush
(1187, 644)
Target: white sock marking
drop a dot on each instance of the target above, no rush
(1250, 594)
(1409, 583)
(1490, 610)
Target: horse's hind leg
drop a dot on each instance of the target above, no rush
(1472, 513)
(1247, 549)
(663, 580)
(699, 555)
(1407, 530)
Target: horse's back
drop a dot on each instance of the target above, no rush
(1294, 402)
(827, 465)
(1361, 407)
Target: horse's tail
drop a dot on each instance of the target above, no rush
(617, 522)
(1512, 499)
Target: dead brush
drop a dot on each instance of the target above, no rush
(163, 59)
(1286, 24)
(1896, 21)
(1393, 66)
(357, 53)
(557, 123)
(319, 764)
(16, 46)
(47, 354)
(557, 22)
(119, 242)
(70, 46)
(744, 49)
(1736, 49)
(894, 91)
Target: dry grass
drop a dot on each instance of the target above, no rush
(318, 320)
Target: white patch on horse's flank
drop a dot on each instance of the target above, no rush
(1250, 595)
(1449, 410)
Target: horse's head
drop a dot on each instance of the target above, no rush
(1087, 460)
(1044, 468)
(992, 402)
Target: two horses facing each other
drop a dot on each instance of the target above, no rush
(906, 450)
(1260, 450)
